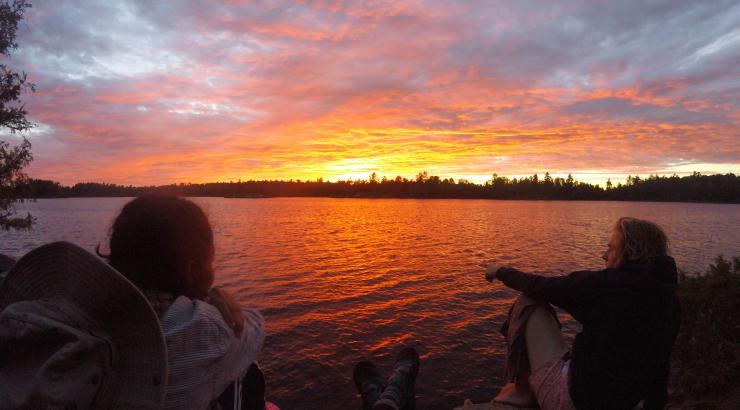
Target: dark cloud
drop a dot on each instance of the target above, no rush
(611, 108)
(527, 82)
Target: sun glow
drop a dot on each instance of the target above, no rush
(141, 98)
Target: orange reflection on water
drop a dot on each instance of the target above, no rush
(344, 279)
(339, 280)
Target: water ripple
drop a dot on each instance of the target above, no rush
(339, 280)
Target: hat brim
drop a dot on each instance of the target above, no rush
(113, 303)
(6, 262)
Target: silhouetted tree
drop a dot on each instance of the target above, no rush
(422, 176)
(13, 118)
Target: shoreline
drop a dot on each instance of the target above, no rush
(400, 197)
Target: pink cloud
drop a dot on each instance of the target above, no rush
(142, 93)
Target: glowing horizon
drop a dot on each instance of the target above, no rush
(147, 94)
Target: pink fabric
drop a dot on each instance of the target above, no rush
(550, 385)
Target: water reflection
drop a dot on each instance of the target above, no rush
(342, 279)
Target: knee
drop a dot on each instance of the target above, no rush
(533, 305)
(526, 300)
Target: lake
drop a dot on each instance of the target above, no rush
(339, 280)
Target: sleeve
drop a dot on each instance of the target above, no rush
(243, 351)
(574, 292)
(203, 352)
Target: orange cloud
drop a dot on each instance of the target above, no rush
(244, 90)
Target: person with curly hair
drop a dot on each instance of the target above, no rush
(630, 317)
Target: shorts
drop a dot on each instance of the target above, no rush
(550, 384)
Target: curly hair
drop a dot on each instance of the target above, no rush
(163, 243)
(641, 239)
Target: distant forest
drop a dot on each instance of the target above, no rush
(692, 188)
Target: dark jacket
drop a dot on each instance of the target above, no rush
(630, 317)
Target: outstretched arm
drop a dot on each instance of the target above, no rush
(574, 292)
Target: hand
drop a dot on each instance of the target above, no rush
(492, 270)
(229, 308)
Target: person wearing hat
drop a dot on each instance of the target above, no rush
(76, 334)
(146, 330)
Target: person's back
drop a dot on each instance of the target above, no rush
(164, 245)
(629, 325)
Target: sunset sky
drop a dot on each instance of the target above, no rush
(154, 92)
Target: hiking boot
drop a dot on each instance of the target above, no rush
(399, 393)
(369, 383)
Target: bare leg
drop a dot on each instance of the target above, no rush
(544, 343)
(544, 339)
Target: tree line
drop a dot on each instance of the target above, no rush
(692, 188)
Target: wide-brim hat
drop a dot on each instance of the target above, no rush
(60, 278)
(6, 262)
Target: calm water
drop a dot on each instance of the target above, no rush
(343, 279)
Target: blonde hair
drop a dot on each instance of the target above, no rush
(641, 239)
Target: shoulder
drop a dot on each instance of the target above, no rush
(197, 320)
(186, 312)
(195, 329)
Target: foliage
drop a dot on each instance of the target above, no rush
(706, 356)
(12, 117)
(13, 183)
(697, 187)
